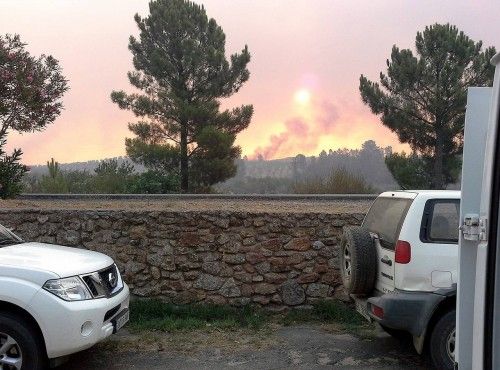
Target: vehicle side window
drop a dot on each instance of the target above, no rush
(440, 221)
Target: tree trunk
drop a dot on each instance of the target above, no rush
(184, 159)
(438, 175)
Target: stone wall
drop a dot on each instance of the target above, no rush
(272, 259)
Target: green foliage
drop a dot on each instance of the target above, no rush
(422, 98)
(54, 182)
(157, 315)
(11, 172)
(340, 181)
(78, 182)
(153, 182)
(30, 98)
(214, 158)
(150, 314)
(53, 168)
(160, 158)
(30, 88)
(182, 71)
(326, 312)
(112, 178)
(410, 171)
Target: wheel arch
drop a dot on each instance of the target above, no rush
(9, 307)
(446, 305)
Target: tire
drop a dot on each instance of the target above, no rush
(24, 344)
(442, 342)
(358, 260)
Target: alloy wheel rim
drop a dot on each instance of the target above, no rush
(450, 345)
(11, 357)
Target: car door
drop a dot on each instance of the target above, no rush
(384, 221)
(478, 328)
(486, 351)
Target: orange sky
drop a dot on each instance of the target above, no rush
(306, 60)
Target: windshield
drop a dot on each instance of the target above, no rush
(385, 218)
(7, 237)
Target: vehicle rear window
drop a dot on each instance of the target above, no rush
(385, 218)
(440, 222)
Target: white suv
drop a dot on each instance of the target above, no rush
(400, 267)
(55, 301)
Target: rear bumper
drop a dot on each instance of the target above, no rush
(408, 311)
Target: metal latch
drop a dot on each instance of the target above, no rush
(474, 227)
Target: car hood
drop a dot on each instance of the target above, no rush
(62, 261)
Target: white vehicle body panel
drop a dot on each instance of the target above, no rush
(386, 271)
(63, 261)
(433, 266)
(61, 321)
(25, 267)
(428, 260)
(476, 126)
(479, 144)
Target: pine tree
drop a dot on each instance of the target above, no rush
(422, 98)
(182, 70)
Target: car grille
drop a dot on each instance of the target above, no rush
(104, 283)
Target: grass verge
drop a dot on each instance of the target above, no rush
(331, 312)
(158, 315)
(161, 316)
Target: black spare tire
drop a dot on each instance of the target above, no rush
(358, 260)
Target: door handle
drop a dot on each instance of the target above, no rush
(386, 260)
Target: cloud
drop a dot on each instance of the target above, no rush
(301, 134)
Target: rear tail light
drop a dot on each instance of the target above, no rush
(378, 311)
(403, 252)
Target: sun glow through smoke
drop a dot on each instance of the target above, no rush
(302, 96)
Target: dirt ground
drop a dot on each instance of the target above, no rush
(292, 347)
(184, 205)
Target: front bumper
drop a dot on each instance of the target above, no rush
(61, 322)
(408, 311)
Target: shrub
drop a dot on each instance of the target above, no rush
(11, 172)
(340, 181)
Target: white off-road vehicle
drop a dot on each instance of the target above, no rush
(400, 266)
(55, 301)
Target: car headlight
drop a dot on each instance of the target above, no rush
(69, 289)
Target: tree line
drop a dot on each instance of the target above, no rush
(109, 177)
(186, 141)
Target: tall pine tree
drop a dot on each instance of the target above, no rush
(182, 72)
(422, 98)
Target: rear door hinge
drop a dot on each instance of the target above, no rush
(474, 227)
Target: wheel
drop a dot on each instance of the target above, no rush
(442, 342)
(20, 345)
(358, 260)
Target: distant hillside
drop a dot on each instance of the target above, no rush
(89, 166)
(278, 175)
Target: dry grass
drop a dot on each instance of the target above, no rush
(188, 342)
(201, 205)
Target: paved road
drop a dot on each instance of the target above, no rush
(297, 347)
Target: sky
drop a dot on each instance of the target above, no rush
(307, 56)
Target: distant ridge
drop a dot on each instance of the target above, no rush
(89, 166)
